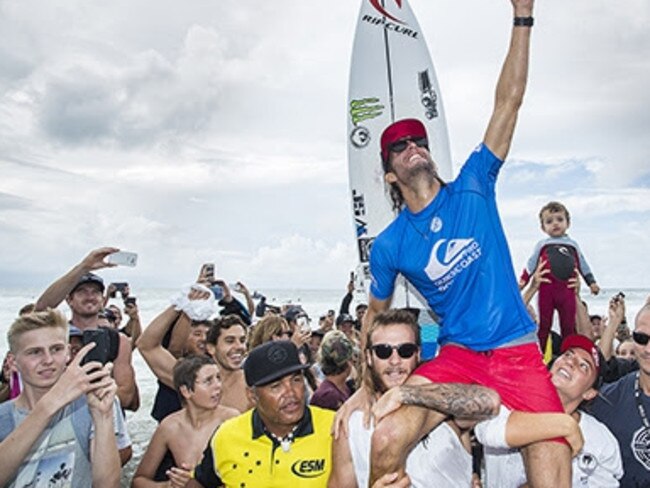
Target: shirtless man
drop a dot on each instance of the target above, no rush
(185, 434)
(226, 343)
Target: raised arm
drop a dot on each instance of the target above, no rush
(160, 360)
(133, 327)
(511, 85)
(124, 374)
(59, 290)
(615, 316)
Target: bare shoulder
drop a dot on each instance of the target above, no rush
(225, 413)
(174, 423)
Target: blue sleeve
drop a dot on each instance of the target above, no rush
(480, 171)
(382, 271)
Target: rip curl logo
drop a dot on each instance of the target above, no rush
(382, 10)
(449, 258)
(564, 251)
(308, 468)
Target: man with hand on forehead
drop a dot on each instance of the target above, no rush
(449, 244)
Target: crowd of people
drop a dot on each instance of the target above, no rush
(247, 394)
(253, 395)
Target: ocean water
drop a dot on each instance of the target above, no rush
(153, 301)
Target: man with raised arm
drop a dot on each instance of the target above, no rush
(449, 243)
(83, 292)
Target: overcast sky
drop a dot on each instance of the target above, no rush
(215, 130)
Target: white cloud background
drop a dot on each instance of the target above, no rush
(215, 130)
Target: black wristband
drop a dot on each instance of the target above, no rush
(523, 22)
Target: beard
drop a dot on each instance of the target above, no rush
(425, 169)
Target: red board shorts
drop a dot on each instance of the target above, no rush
(517, 373)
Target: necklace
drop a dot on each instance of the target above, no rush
(286, 441)
(424, 236)
(641, 438)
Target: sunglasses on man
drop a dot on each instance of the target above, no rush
(402, 144)
(384, 351)
(641, 338)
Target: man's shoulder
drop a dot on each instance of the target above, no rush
(612, 394)
(240, 424)
(322, 418)
(620, 386)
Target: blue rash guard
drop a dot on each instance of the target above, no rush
(455, 253)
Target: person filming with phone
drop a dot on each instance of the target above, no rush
(83, 292)
(62, 425)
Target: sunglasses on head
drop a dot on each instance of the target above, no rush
(384, 351)
(399, 146)
(641, 338)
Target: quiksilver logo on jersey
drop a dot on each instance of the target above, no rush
(449, 258)
(308, 468)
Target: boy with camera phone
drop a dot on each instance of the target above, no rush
(62, 425)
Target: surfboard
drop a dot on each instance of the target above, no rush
(391, 78)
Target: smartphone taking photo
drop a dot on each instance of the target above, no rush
(101, 351)
(123, 258)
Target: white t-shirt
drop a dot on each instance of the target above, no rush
(439, 460)
(597, 465)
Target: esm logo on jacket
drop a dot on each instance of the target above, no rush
(308, 468)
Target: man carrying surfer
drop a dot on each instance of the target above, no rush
(449, 243)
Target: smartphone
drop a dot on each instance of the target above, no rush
(119, 288)
(129, 301)
(123, 258)
(208, 271)
(303, 323)
(102, 348)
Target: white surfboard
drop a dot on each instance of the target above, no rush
(391, 78)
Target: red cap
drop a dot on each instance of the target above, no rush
(399, 130)
(586, 344)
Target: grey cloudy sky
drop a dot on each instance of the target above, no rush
(214, 130)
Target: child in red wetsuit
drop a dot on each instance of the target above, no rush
(563, 257)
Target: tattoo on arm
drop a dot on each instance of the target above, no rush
(458, 400)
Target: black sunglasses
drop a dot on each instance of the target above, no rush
(399, 146)
(405, 351)
(641, 338)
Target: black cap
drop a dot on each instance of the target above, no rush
(271, 361)
(89, 278)
(344, 317)
(294, 312)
